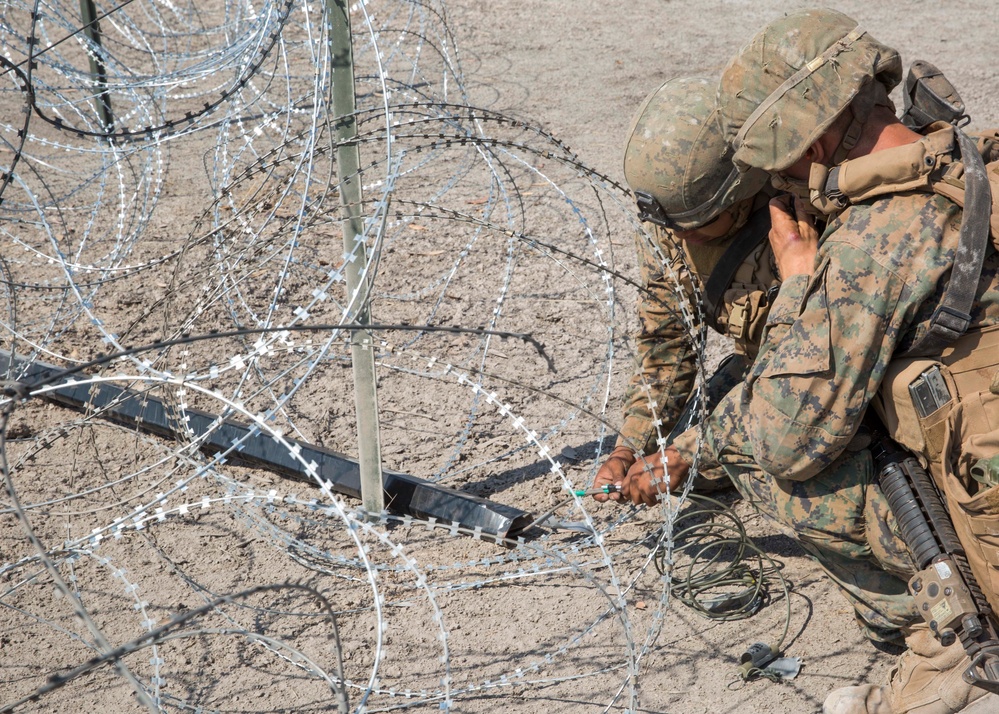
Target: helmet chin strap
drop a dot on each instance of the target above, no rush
(873, 94)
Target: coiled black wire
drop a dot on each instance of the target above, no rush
(715, 568)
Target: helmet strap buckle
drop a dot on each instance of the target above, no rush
(649, 209)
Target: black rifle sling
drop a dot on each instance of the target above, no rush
(951, 318)
(757, 228)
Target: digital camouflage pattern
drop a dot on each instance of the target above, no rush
(665, 367)
(665, 370)
(784, 434)
(791, 82)
(881, 271)
(743, 309)
(676, 152)
(840, 518)
(809, 481)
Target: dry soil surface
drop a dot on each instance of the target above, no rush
(135, 562)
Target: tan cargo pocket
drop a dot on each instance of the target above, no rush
(976, 521)
(919, 434)
(982, 511)
(967, 439)
(979, 533)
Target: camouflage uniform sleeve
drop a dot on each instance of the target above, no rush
(729, 375)
(696, 450)
(686, 444)
(831, 335)
(665, 362)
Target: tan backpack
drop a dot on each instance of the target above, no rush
(941, 399)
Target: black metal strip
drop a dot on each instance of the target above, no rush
(404, 494)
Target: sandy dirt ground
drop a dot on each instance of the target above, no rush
(139, 572)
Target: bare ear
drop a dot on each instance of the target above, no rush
(815, 153)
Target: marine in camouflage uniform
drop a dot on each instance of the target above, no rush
(790, 435)
(676, 154)
(665, 361)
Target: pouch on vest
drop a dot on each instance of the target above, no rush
(974, 507)
(951, 185)
(917, 396)
(914, 402)
(743, 318)
(947, 162)
(953, 423)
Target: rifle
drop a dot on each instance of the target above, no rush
(946, 592)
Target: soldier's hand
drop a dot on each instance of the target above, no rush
(613, 471)
(645, 482)
(793, 236)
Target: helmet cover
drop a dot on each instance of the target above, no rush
(676, 153)
(793, 80)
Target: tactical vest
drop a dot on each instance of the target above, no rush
(737, 276)
(946, 410)
(941, 399)
(926, 165)
(930, 165)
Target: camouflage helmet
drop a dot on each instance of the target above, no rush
(677, 155)
(794, 79)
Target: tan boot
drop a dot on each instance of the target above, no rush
(869, 699)
(928, 677)
(865, 699)
(926, 680)
(989, 704)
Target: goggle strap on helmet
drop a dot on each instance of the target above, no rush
(650, 210)
(834, 49)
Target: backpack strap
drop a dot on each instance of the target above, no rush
(910, 167)
(951, 318)
(745, 242)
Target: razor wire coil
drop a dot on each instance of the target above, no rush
(192, 255)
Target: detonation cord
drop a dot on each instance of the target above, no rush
(713, 565)
(716, 569)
